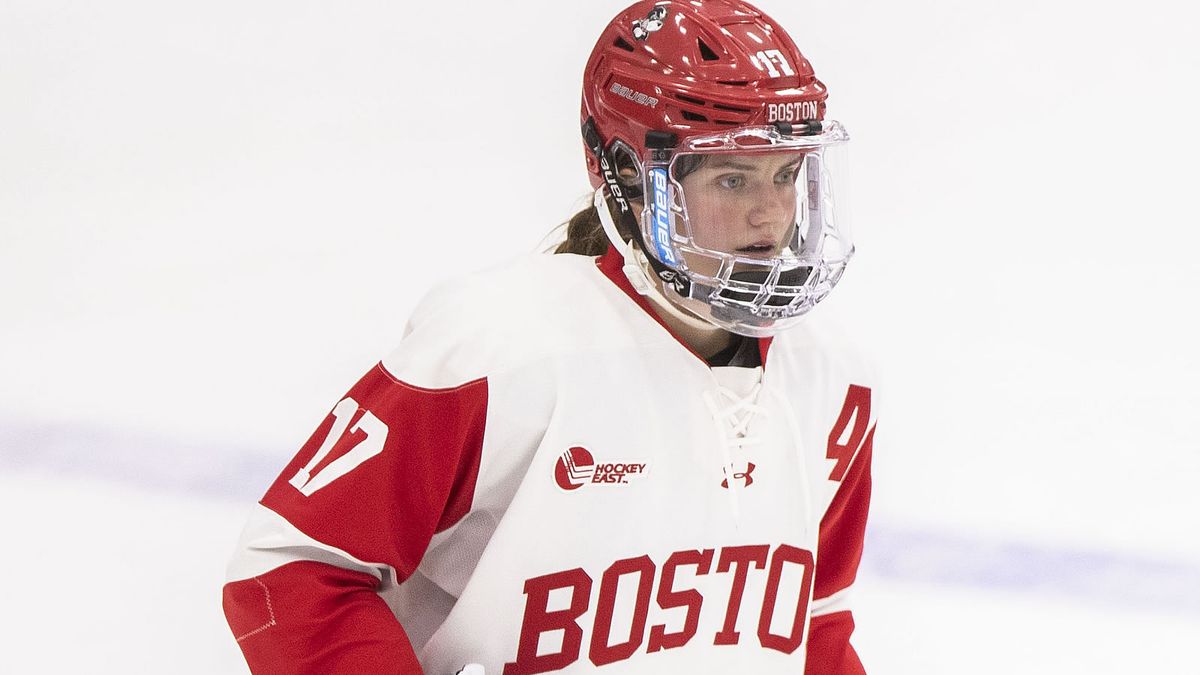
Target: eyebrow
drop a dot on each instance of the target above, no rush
(731, 164)
(728, 163)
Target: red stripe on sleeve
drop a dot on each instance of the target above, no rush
(390, 465)
(309, 617)
(829, 650)
(387, 508)
(844, 525)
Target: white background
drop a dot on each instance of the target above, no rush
(215, 216)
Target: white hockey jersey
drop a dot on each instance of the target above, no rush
(542, 478)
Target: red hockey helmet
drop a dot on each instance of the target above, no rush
(674, 93)
(693, 67)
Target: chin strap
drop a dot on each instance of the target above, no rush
(635, 266)
(628, 253)
(591, 137)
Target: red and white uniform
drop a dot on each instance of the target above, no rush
(542, 477)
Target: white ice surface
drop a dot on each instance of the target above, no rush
(124, 581)
(213, 217)
(128, 583)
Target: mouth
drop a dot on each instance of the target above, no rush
(758, 248)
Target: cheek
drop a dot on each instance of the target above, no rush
(710, 219)
(789, 202)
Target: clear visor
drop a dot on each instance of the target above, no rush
(754, 218)
(749, 196)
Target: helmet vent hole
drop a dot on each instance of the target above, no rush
(733, 83)
(731, 108)
(706, 52)
(690, 99)
(693, 117)
(620, 43)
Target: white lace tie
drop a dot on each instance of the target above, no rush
(732, 414)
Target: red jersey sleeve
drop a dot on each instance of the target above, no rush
(838, 556)
(391, 465)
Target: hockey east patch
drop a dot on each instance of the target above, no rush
(577, 467)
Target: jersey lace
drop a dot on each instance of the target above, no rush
(733, 406)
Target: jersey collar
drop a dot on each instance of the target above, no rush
(611, 265)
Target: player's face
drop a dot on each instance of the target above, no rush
(744, 204)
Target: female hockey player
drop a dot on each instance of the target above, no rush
(637, 453)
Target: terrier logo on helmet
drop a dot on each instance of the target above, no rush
(642, 28)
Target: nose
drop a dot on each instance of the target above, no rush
(769, 208)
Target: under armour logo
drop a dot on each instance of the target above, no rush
(740, 475)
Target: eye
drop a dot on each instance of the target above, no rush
(788, 175)
(731, 181)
